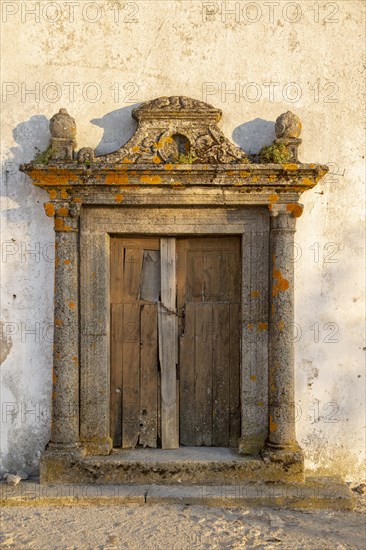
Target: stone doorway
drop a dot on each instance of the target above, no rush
(178, 178)
(206, 284)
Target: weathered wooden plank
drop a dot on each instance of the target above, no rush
(132, 264)
(220, 375)
(116, 374)
(150, 276)
(203, 375)
(211, 271)
(194, 289)
(131, 375)
(148, 376)
(116, 270)
(187, 417)
(167, 345)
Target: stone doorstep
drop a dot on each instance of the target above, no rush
(316, 493)
(186, 466)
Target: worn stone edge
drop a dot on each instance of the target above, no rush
(315, 493)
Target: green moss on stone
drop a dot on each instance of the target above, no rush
(45, 156)
(276, 153)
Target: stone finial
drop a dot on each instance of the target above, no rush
(288, 125)
(288, 129)
(63, 133)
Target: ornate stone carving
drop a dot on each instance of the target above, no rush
(179, 130)
(86, 155)
(288, 129)
(63, 132)
(288, 125)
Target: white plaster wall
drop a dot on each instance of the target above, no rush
(118, 54)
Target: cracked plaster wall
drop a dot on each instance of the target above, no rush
(99, 61)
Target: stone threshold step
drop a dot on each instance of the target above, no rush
(316, 493)
(187, 465)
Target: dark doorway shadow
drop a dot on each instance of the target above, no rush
(118, 126)
(251, 136)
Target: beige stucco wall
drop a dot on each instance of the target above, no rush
(99, 59)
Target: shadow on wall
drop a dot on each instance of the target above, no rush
(251, 136)
(118, 126)
(31, 137)
(27, 256)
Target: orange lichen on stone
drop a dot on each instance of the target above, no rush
(72, 305)
(58, 178)
(64, 194)
(295, 210)
(54, 376)
(150, 179)
(290, 167)
(255, 179)
(250, 326)
(243, 174)
(273, 198)
(116, 179)
(280, 326)
(156, 160)
(163, 141)
(74, 358)
(67, 262)
(255, 293)
(262, 326)
(49, 209)
(281, 283)
(58, 322)
(273, 426)
(136, 149)
(52, 193)
(168, 166)
(118, 198)
(253, 377)
(76, 199)
(63, 211)
(308, 182)
(60, 225)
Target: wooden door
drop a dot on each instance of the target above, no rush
(208, 293)
(175, 382)
(135, 292)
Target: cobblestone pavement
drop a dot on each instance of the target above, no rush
(180, 527)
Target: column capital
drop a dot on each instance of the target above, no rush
(283, 217)
(66, 215)
(292, 210)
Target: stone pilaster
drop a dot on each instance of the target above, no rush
(281, 444)
(65, 396)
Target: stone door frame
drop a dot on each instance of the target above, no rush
(150, 187)
(96, 225)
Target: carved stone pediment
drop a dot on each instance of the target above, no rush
(177, 129)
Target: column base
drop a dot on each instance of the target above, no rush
(56, 457)
(251, 445)
(290, 459)
(100, 446)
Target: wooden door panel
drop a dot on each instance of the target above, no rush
(208, 283)
(135, 274)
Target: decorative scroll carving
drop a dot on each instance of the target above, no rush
(162, 121)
